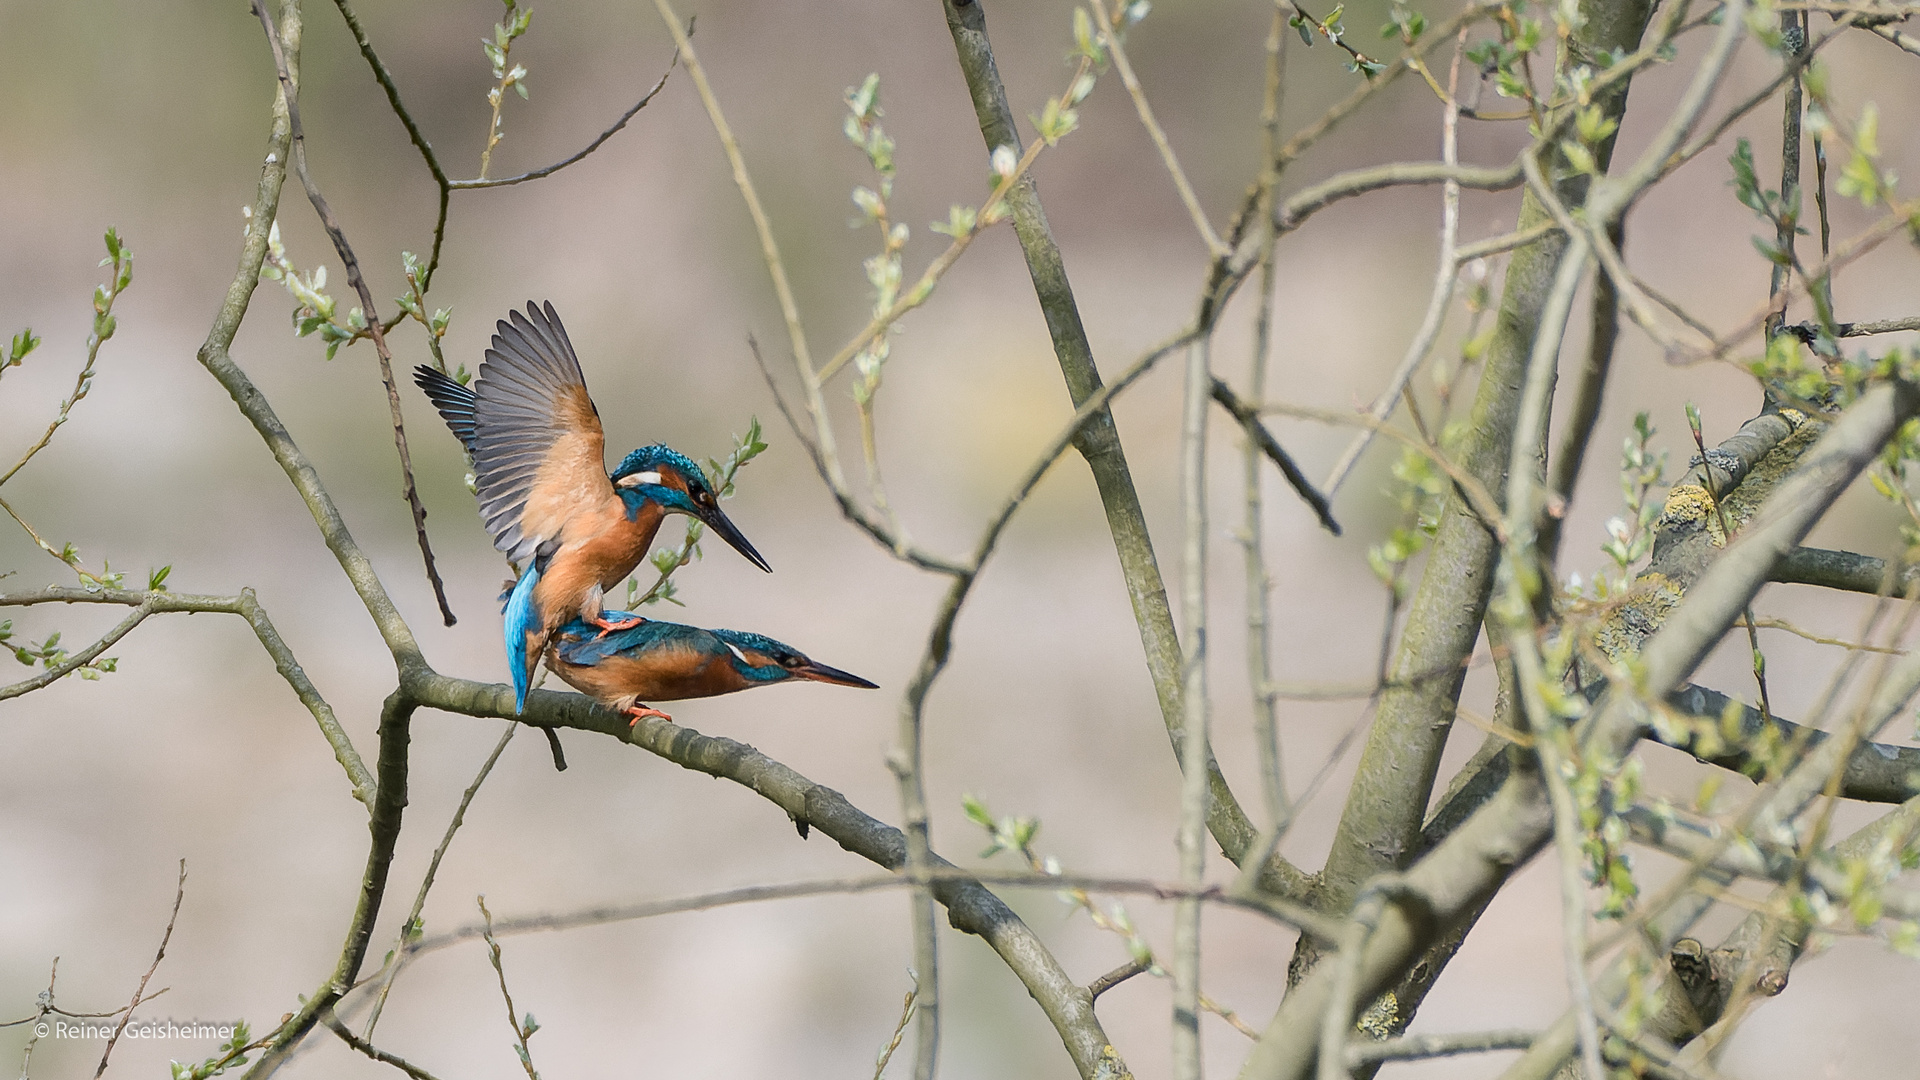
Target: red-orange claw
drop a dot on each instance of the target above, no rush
(641, 712)
(609, 627)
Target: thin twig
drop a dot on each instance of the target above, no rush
(1793, 32)
(80, 659)
(1726, 531)
(1603, 334)
(367, 309)
(1115, 977)
(905, 760)
(1293, 916)
(1360, 95)
(1447, 272)
(1262, 439)
(103, 326)
(1770, 623)
(1344, 1003)
(1100, 444)
(333, 1024)
(139, 992)
(419, 139)
(520, 1032)
(1478, 499)
(899, 1028)
(1259, 583)
(46, 1006)
(1414, 1047)
(1858, 247)
(411, 927)
(769, 249)
(1108, 35)
(536, 174)
(1196, 709)
(1505, 242)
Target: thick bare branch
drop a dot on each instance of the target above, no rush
(1449, 884)
(1099, 442)
(1388, 799)
(1843, 570)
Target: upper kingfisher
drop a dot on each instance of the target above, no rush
(539, 471)
(652, 660)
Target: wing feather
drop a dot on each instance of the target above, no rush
(538, 449)
(453, 401)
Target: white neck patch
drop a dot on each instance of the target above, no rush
(738, 655)
(639, 478)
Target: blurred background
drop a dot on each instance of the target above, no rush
(152, 117)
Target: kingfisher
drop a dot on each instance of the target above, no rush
(540, 474)
(651, 660)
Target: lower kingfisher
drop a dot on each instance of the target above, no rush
(663, 661)
(540, 474)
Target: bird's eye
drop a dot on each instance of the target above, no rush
(791, 661)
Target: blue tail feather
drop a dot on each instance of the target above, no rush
(518, 620)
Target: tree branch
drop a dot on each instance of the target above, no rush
(383, 822)
(536, 174)
(971, 907)
(247, 607)
(1249, 419)
(291, 95)
(253, 405)
(333, 1023)
(1842, 570)
(1099, 442)
(1387, 802)
(1449, 884)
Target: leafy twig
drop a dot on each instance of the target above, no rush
(354, 277)
(907, 1009)
(497, 49)
(720, 477)
(522, 1030)
(412, 929)
(157, 599)
(120, 258)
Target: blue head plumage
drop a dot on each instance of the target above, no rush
(653, 458)
(785, 657)
(642, 478)
(656, 459)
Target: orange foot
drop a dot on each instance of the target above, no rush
(641, 712)
(609, 627)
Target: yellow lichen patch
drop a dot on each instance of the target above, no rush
(1382, 1020)
(1744, 501)
(1687, 507)
(1644, 611)
(1110, 1066)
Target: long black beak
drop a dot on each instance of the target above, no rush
(716, 519)
(819, 672)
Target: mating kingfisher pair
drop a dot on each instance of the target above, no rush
(576, 531)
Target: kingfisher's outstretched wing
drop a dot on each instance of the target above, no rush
(454, 402)
(539, 455)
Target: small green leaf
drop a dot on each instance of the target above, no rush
(976, 811)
